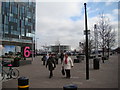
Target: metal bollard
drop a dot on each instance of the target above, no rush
(70, 87)
(23, 83)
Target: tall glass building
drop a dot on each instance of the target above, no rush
(17, 26)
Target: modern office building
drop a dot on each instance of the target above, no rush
(17, 26)
(60, 48)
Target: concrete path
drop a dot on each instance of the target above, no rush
(105, 77)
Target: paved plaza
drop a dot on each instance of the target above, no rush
(105, 77)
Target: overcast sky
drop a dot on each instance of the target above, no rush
(63, 21)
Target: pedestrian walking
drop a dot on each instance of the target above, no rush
(44, 59)
(61, 57)
(51, 65)
(47, 56)
(67, 64)
(56, 58)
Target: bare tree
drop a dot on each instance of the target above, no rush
(110, 39)
(90, 44)
(106, 34)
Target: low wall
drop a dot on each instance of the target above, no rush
(25, 62)
(21, 62)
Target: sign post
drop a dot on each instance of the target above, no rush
(86, 48)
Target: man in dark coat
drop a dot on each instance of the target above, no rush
(51, 65)
(56, 58)
(62, 56)
(44, 59)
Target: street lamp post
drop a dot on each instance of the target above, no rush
(59, 48)
(33, 49)
(36, 45)
(96, 40)
(86, 50)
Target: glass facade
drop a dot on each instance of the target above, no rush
(18, 20)
(17, 23)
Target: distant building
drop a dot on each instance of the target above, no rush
(17, 25)
(60, 48)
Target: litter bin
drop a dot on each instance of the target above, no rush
(70, 87)
(78, 56)
(76, 60)
(105, 58)
(23, 83)
(96, 63)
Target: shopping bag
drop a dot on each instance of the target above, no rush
(63, 71)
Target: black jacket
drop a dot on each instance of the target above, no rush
(51, 63)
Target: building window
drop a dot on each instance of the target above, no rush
(22, 23)
(28, 14)
(6, 20)
(22, 32)
(18, 29)
(6, 29)
(18, 23)
(14, 9)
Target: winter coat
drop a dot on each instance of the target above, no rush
(62, 56)
(69, 63)
(44, 58)
(51, 63)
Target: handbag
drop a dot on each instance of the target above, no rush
(63, 71)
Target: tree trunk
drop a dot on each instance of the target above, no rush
(103, 54)
(108, 50)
